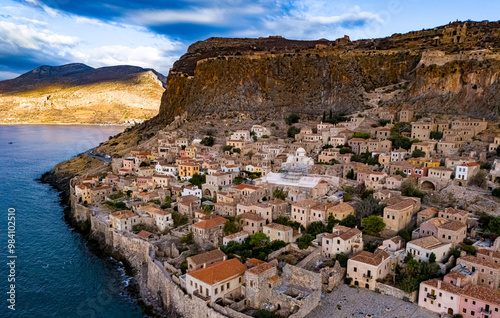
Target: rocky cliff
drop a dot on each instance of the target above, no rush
(452, 69)
(77, 93)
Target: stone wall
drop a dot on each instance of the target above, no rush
(156, 284)
(396, 292)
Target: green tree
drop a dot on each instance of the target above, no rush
(292, 131)
(231, 227)
(188, 238)
(292, 119)
(304, 241)
(436, 135)
(361, 134)
(496, 192)
(342, 259)
(372, 225)
(258, 240)
(432, 258)
(279, 193)
(197, 179)
(405, 234)
(350, 174)
(409, 188)
(237, 150)
(208, 141)
(417, 153)
(349, 221)
(316, 228)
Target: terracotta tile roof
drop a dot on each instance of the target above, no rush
(479, 261)
(429, 212)
(445, 286)
(278, 227)
(253, 262)
(397, 239)
(482, 293)
(374, 259)
(453, 226)
(219, 271)
(251, 216)
(305, 204)
(486, 251)
(455, 211)
(124, 214)
(404, 204)
(207, 257)
(243, 186)
(187, 198)
(274, 279)
(210, 223)
(342, 207)
(343, 232)
(261, 268)
(437, 222)
(428, 242)
(235, 235)
(144, 234)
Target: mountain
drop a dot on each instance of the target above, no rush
(450, 69)
(77, 93)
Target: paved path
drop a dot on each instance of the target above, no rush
(360, 302)
(91, 153)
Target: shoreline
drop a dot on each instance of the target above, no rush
(93, 244)
(66, 124)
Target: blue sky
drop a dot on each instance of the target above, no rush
(155, 33)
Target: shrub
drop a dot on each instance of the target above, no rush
(349, 221)
(496, 192)
(304, 241)
(479, 180)
(372, 225)
(364, 135)
(347, 280)
(208, 141)
(292, 131)
(409, 188)
(342, 259)
(417, 153)
(292, 119)
(188, 238)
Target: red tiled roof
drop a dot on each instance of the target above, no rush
(210, 223)
(219, 271)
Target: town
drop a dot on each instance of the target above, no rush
(274, 219)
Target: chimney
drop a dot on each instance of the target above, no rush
(439, 284)
(204, 265)
(459, 281)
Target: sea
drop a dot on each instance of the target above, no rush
(56, 273)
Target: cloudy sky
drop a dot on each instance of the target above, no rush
(154, 33)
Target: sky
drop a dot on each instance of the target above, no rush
(153, 34)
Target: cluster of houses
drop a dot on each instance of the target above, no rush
(254, 179)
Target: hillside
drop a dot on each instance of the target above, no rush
(77, 93)
(452, 69)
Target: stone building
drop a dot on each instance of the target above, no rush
(364, 268)
(341, 240)
(280, 232)
(123, 220)
(488, 270)
(221, 280)
(251, 222)
(209, 231)
(205, 259)
(422, 248)
(188, 204)
(397, 216)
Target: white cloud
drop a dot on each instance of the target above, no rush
(31, 21)
(196, 16)
(8, 75)
(144, 56)
(30, 38)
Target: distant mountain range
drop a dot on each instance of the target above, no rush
(77, 93)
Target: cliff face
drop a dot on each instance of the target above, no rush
(76, 93)
(451, 69)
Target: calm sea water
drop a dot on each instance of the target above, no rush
(56, 274)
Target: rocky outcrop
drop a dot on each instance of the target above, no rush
(76, 93)
(452, 69)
